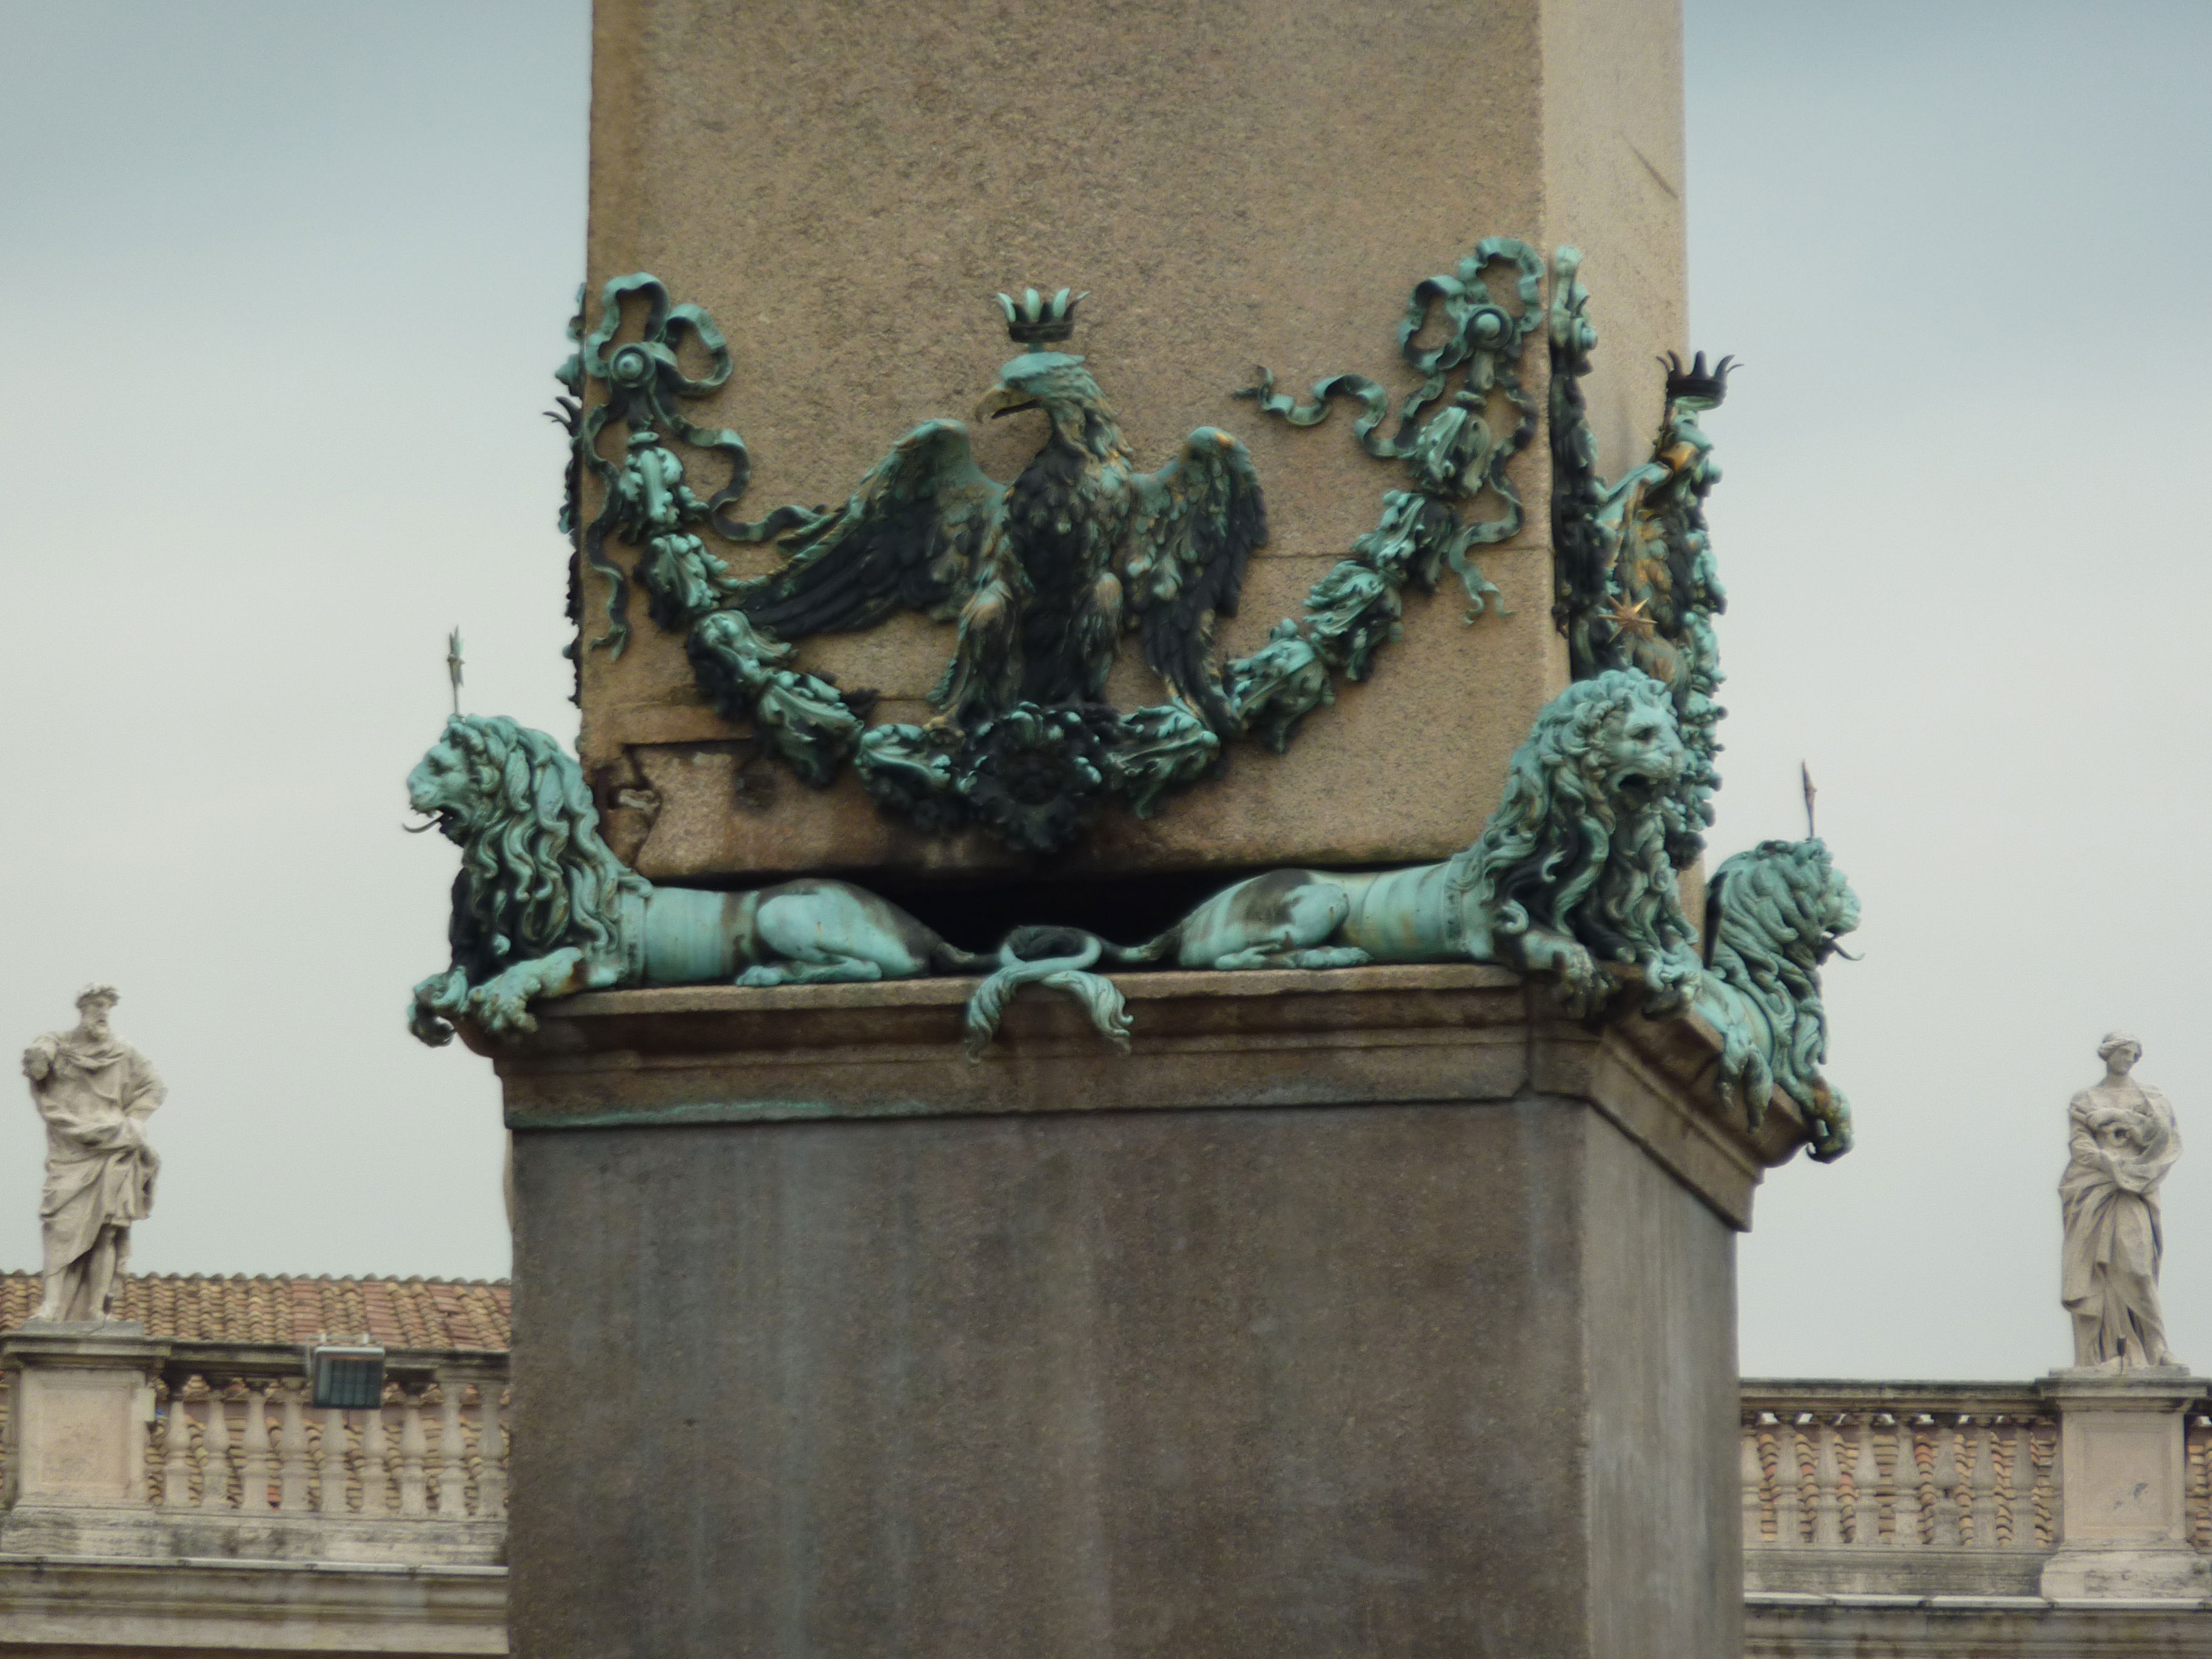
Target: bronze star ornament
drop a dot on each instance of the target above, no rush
(1627, 617)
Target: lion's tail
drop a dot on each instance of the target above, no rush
(944, 954)
(1153, 950)
(1056, 957)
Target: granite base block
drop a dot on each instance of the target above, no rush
(1062, 1368)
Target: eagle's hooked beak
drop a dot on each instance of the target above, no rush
(1003, 400)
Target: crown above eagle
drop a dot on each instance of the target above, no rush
(1033, 320)
(1696, 384)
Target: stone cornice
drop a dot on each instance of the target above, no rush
(1446, 1033)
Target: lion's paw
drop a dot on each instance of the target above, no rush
(1583, 985)
(1332, 956)
(764, 977)
(1669, 987)
(426, 1027)
(502, 1013)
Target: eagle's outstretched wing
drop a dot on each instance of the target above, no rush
(906, 541)
(1196, 522)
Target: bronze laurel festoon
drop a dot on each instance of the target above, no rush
(1044, 577)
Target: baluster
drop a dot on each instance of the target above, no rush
(332, 1500)
(411, 1448)
(214, 1468)
(1945, 1480)
(176, 1451)
(1789, 1530)
(373, 1495)
(293, 1469)
(452, 1452)
(1748, 1471)
(1866, 1504)
(1979, 1453)
(2043, 1452)
(1904, 1482)
(491, 1452)
(2199, 1505)
(2004, 1463)
(253, 1461)
(2016, 1482)
(1827, 1483)
(1885, 1503)
(1966, 1442)
(1769, 1457)
(156, 1446)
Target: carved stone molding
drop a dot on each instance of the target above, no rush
(1395, 1036)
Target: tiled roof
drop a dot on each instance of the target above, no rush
(399, 1313)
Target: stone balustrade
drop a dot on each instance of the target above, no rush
(232, 1429)
(1895, 1475)
(1884, 1519)
(167, 1494)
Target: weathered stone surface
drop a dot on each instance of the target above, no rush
(80, 1398)
(132, 1608)
(2123, 1531)
(1236, 184)
(95, 1092)
(1329, 1357)
(1264, 1039)
(89, 1562)
(1908, 1626)
(2122, 1143)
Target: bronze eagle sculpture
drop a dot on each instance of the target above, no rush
(1045, 575)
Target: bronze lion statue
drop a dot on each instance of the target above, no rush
(543, 908)
(1773, 916)
(1569, 872)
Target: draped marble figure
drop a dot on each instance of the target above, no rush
(2124, 1140)
(95, 1092)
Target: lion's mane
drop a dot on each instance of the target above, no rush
(535, 876)
(1773, 916)
(1564, 852)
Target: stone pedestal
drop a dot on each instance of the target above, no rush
(1369, 1312)
(81, 1395)
(2122, 1466)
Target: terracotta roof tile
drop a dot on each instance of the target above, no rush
(400, 1313)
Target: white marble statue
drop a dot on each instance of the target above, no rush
(2124, 1140)
(95, 1092)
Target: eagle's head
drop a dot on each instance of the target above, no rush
(1058, 385)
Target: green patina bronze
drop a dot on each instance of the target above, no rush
(542, 909)
(1773, 915)
(1042, 577)
(1569, 880)
(1570, 873)
(650, 505)
(1634, 577)
(1570, 877)
(1453, 456)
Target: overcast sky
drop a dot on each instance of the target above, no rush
(287, 283)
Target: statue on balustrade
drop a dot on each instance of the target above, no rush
(2124, 1140)
(95, 1092)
